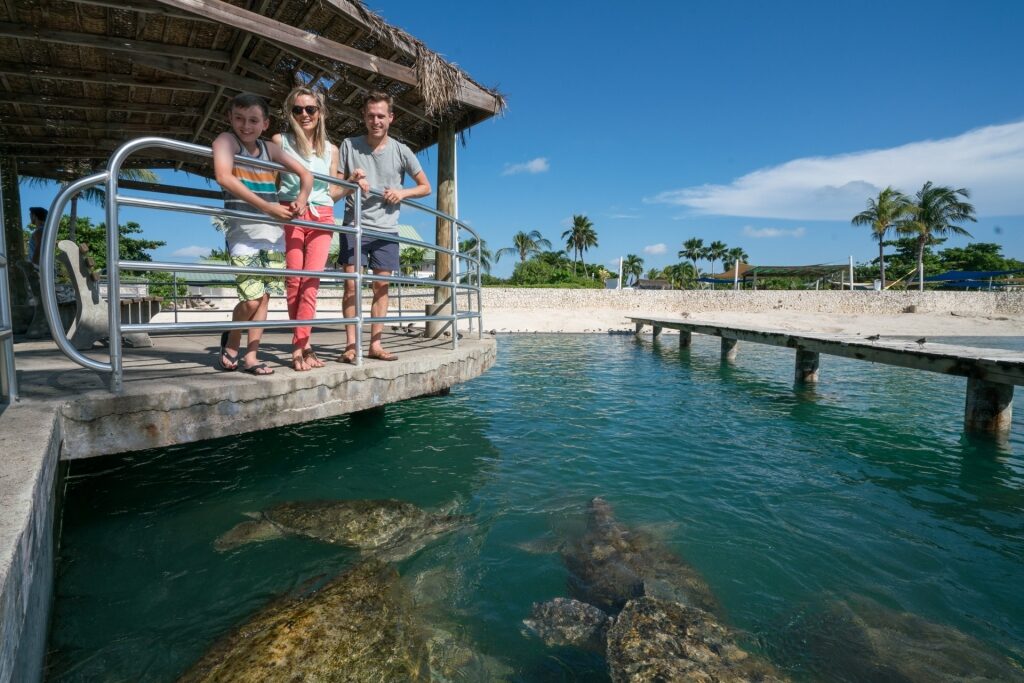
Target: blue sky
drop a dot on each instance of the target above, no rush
(761, 124)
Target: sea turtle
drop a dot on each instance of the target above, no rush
(650, 613)
(360, 626)
(390, 529)
(613, 563)
(860, 639)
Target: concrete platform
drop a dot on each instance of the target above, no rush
(173, 393)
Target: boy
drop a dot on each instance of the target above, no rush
(252, 244)
(375, 161)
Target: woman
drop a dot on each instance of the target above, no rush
(306, 248)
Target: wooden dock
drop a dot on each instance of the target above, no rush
(991, 373)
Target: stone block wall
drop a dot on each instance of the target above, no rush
(641, 302)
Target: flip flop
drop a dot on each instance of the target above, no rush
(232, 361)
(259, 369)
(383, 355)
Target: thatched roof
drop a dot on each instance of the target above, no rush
(79, 77)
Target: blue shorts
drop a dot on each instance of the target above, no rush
(378, 254)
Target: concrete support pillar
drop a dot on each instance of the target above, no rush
(685, 338)
(989, 407)
(657, 330)
(806, 367)
(729, 349)
(443, 229)
(639, 328)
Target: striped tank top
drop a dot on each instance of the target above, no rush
(246, 237)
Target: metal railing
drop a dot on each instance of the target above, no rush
(8, 374)
(109, 179)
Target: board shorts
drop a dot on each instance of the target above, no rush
(251, 287)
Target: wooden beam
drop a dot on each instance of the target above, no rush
(319, 46)
(142, 8)
(445, 189)
(25, 141)
(213, 77)
(104, 42)
(105, 78)
(29, 99)
(94, 126)
(170, 189)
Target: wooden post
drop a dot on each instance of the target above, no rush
(446, 203)
(657, 330)
(685, 339)
(729, 349)
(806, 367)
(989, 407)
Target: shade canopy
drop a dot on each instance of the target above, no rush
(79, 77)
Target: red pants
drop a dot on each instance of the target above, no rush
(305, 249)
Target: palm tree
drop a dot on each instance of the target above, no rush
(681, 274)
(469, 247)
(734, 256)
(524, 244)
(883, 214)
(935, 213)
(654, 274)
(411, 258)
(633, 266)
(693, 249)
(716, 251)
(580, 237)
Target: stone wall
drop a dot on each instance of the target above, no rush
(695, 301)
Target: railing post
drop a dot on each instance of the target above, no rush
(454, 290)
(114, 278)
(358, 255)
(8, 373)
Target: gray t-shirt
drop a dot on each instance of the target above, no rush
(384, 169)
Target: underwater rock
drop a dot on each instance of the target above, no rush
(361, 626)
(391, 529)
(659, 640)
(612, 564)
(564, 621)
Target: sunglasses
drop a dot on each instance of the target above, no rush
(310, 109)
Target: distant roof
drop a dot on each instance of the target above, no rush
(964, 275)
(817, 270)
(80, 77)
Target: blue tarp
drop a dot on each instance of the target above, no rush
(965, 275)
(716, 281)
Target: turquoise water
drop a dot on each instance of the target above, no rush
(783, 499)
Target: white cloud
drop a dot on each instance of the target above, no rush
(191, 252)
(623, 216)
(758, 233)
(653, 249)
(538, 165)
(988, 161)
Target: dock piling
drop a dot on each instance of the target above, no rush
(639, 328)
(657, 330)
(806, 367)
(685, 339)
(989, 407)
(729, 349)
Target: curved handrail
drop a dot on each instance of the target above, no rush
(47, 246)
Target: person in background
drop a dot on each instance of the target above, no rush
(37, 218)
(375, 161)
(252, 243)
(306, 248)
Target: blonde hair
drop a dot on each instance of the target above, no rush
(302, 143)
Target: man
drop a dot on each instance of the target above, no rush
(37, 218)
(375, 161)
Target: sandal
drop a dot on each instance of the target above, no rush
(259, 369)
(299, 363)
(310, 357)
(382, 355)
(232, 361)
(348, 357)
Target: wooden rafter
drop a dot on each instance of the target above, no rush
(112, 104)
(105, 78)
(103, 42)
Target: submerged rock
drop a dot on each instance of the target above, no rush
(392, 529)
(362, 626)
(613, 563)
